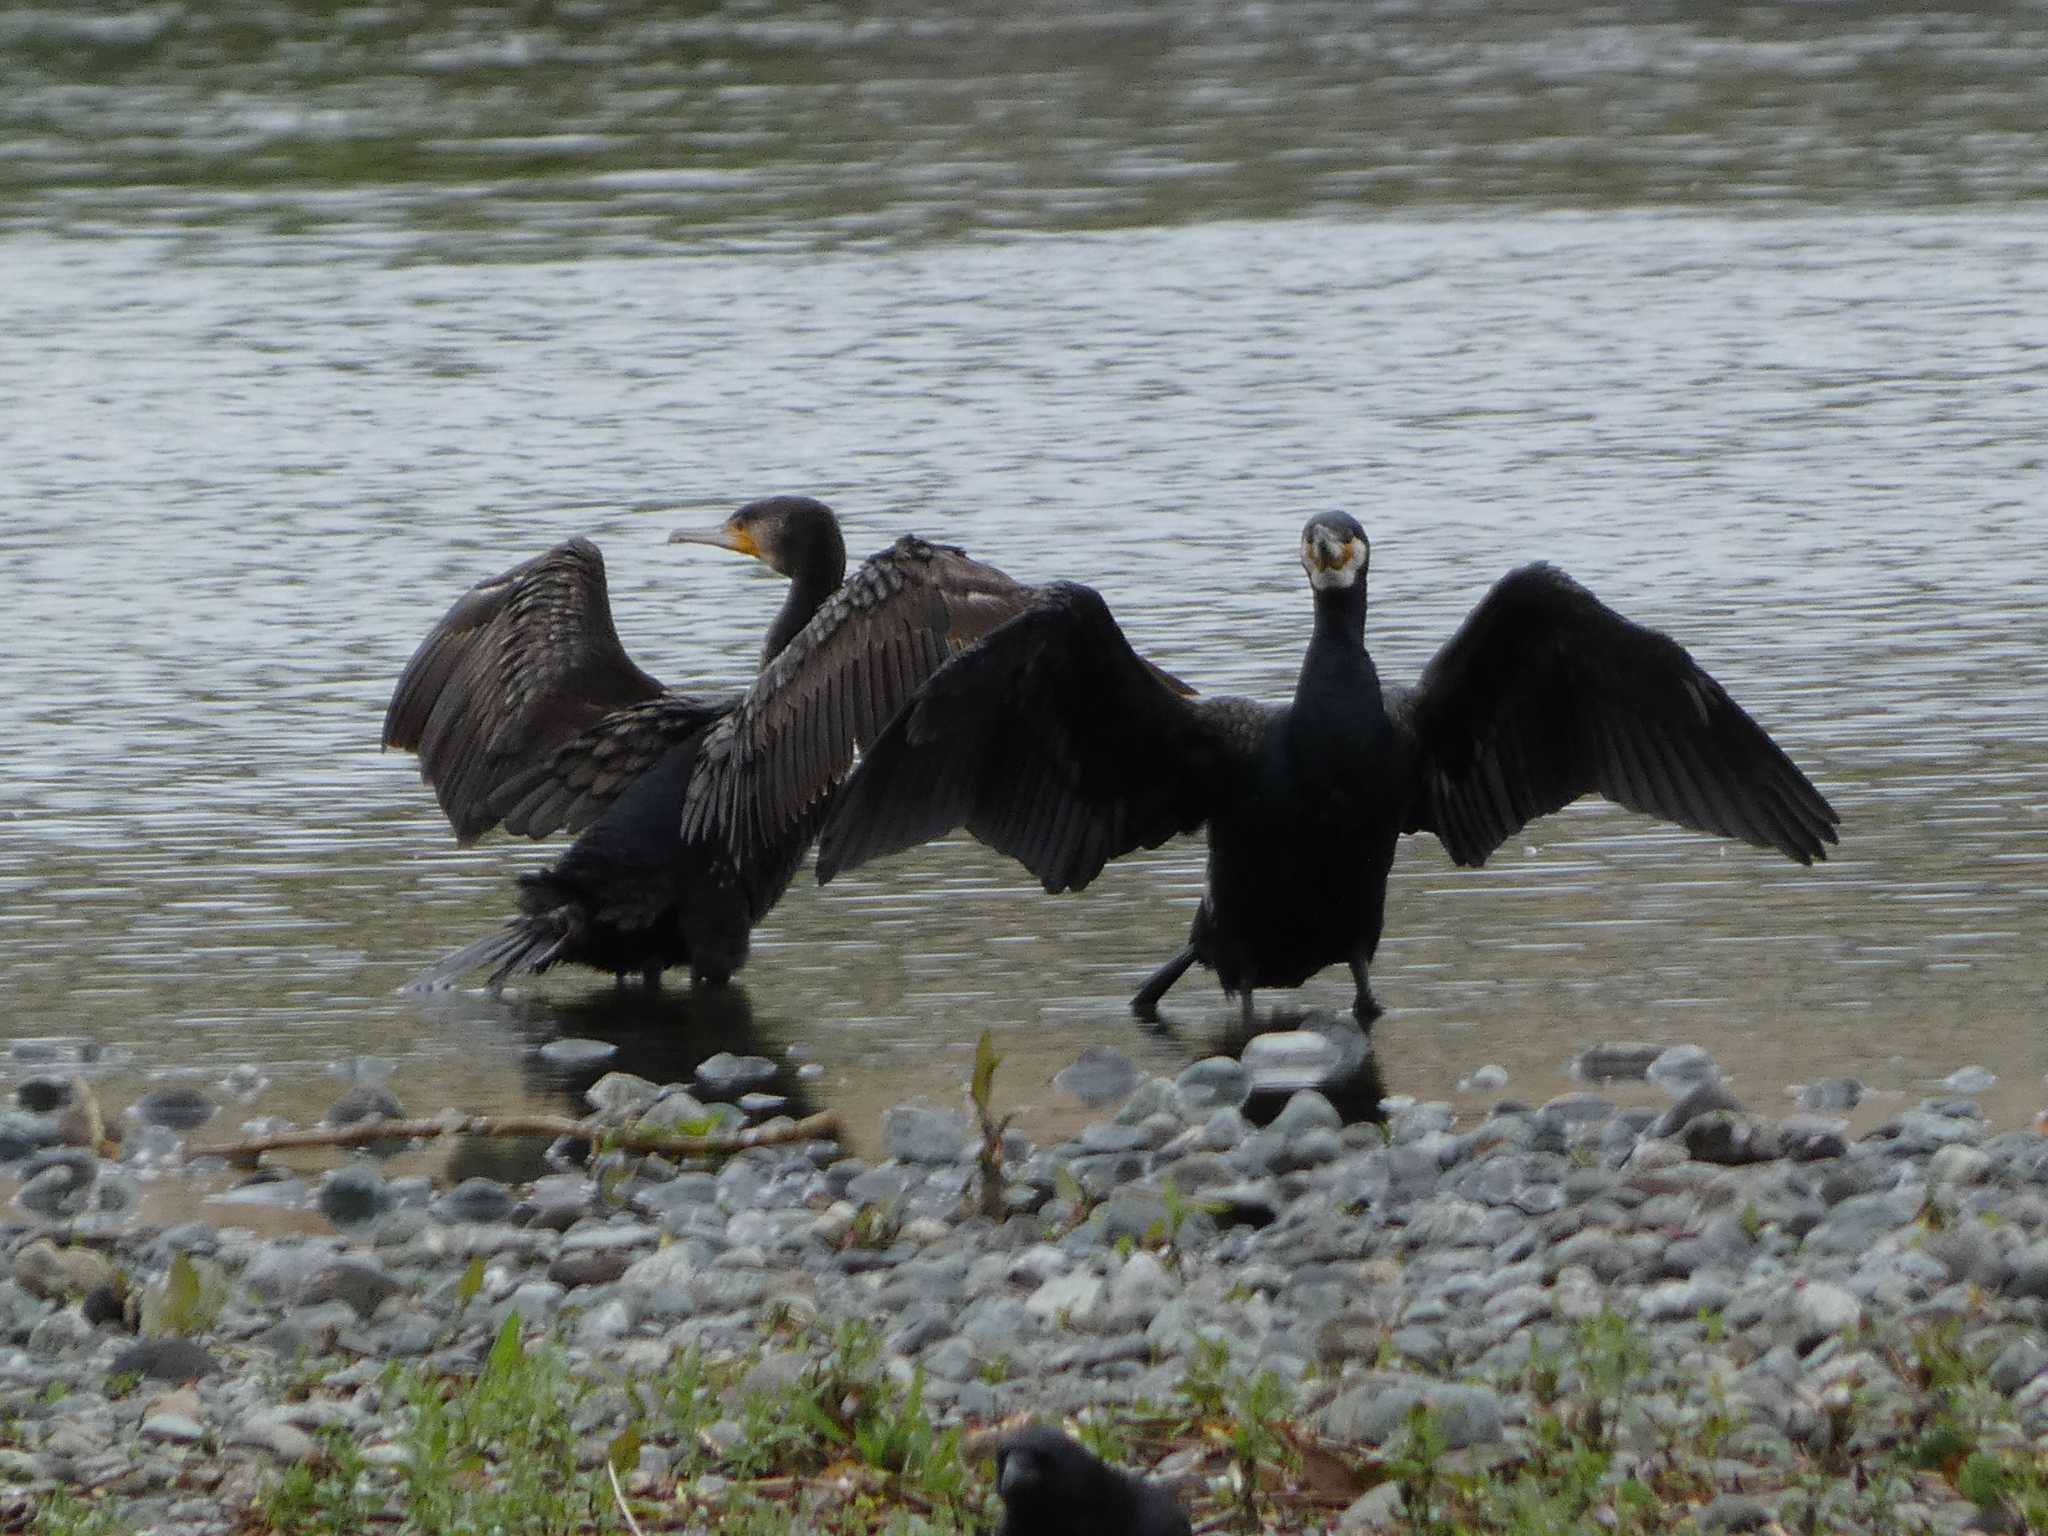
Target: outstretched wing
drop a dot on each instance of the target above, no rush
(519, 665)
(578, 779)
(764, 774)
(1545, 694)
(1051, 741)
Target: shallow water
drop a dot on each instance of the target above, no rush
(315, 318)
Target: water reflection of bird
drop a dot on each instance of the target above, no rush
(693, 812)
(1051, 744)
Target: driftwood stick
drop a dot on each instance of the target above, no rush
(819, 1127)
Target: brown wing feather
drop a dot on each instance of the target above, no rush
(519, 665)
(1545, 694)
(768, 768)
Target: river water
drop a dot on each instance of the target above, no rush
(315, 315)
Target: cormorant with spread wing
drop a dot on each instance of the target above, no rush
(1052, 744)
(693, 812)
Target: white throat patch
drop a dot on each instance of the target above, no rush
(1343, 573)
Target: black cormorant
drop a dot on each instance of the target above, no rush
(1052, 744)
(1054, 1486)
(527, 712)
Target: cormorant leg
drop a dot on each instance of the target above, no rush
(650, 978)
(1146, 1004)
(1364, 1007)
(1245, 1017)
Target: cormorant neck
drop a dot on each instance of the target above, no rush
(1340, 613)
(1335, 663)
(814, 576)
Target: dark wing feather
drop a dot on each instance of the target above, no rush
(520, 664)
(578, 779)
(1545, 694)
(765, 773)
(1051, 741)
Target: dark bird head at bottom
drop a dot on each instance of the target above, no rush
(1054, 1486)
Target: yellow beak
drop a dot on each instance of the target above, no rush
(725, 536)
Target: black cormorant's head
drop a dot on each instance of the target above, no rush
(1334, 551)
(794, 536)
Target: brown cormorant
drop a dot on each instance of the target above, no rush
(527, 712)
(1051, 743)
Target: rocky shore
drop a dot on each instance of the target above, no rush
(1758, 1322)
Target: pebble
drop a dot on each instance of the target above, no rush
(1681, 1068)
(1100, 1075)
(1215, 1083)
(362, 1102)
(923, 1135)
(1831, 1095)
(726, 1076)
(1972, 1079)
(477, 1200)
(353, 1195)
(1628, 1061)
(178, 1106)
(571, 1054)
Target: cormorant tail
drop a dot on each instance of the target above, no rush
(523, 944)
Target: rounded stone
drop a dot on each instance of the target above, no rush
(1213, 1083)
(362, 1102)
(726, 1076)
(1099, 1075)
(573, 1054)
(477, 1200)
(353, 1195)
(924, 1135)
(176, 1106)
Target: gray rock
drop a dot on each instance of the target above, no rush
(269, 1431)
(924, 1135)
(1820, 1309)
(362, 1102)
(726, 1076)
(166, 1359)
(58, 1182)
(1700, 1098)
(1831, 1095)
(1211, 1084)
(1307, 1110)
(1731, 1139)
(1623, 1061)
(353, 1195)
(1376, 1411)
(480, 1200)
(43, 1269)
(364, 1287)
(41, 1095)
(22, 1134)
(620, 1094)
(1734, 1512)
(1101, 1074)
(2019, 1363)
(1681, 1068)
(175, 1428)
(571, 1054)
(178, 1106)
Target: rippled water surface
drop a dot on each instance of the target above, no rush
(314, 316)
